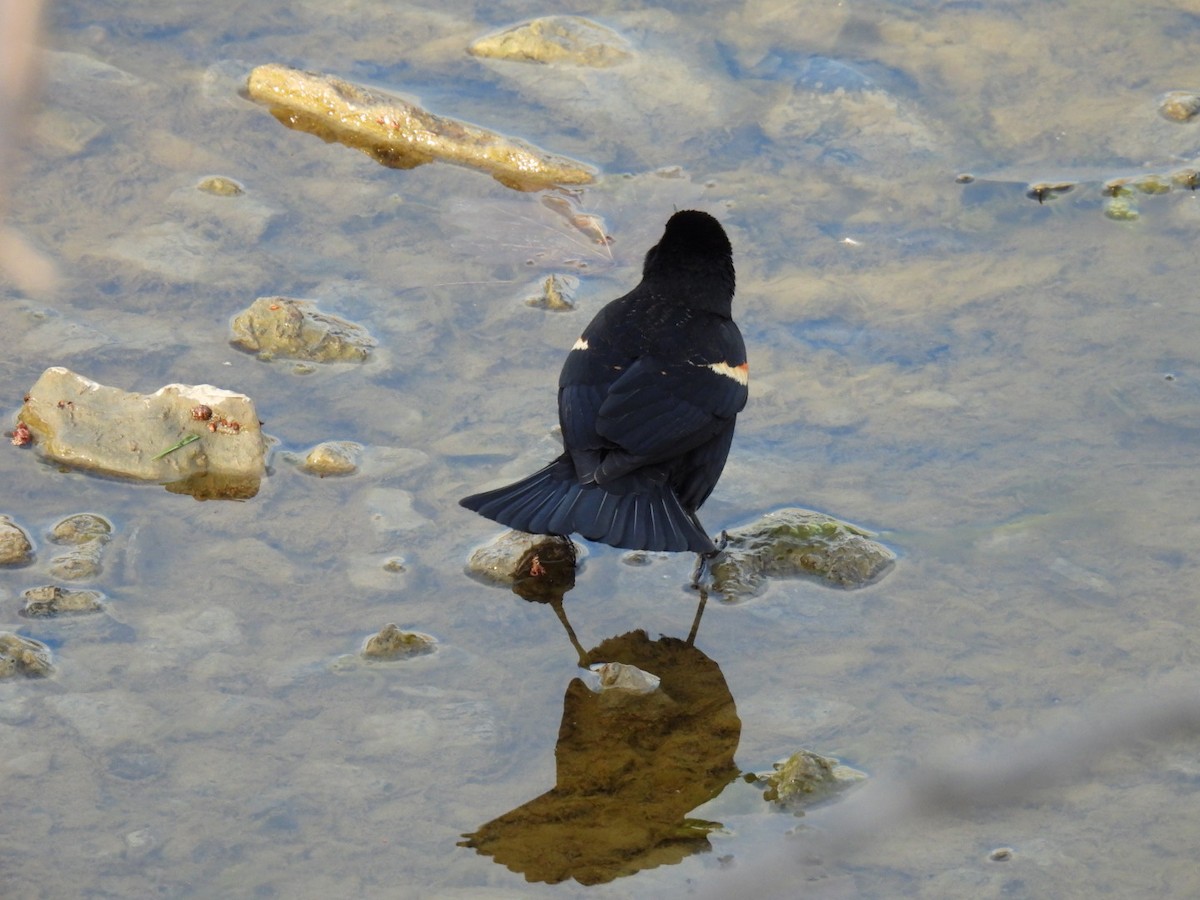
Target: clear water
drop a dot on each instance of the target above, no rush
(978, 377)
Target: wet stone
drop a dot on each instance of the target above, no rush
(50, 601)
(1188, 178)
(79, 564)
(570, 40)
(220, 186)
(1152, 184)
(150, 437)
(15, 546)
(1121, 209)
(392, 643)
(1047, 190)
(505, 560)
(798, 542)
(80, 529)
(332, 458)
(22, 656)
(556, 293)
(281, 327)
(402, 135)
(805, 777)
(1179, 106)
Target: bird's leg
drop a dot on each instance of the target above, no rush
(702, 576)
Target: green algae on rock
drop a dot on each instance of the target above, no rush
(572, 40)
(402, 135)
(798, 542)
(23, 656)
(392, 643)
(555, 293)
(282, 327)
(1179, 106)
(804, 778)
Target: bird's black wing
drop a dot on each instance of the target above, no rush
(658, 410)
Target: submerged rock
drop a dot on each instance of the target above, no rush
(332, 458)
(281, 327)
(220, 186)
(402, 135)
(798, 542)
(555, 293)
(15, 546)
(150, 437)
(88, 534)
(51, 600)
(805, 777)
(23, 656)
(81, 528)
(572, 40)
(392, 643)
(79, 564)
(1179, 106)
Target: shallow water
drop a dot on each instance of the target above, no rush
(976, 376)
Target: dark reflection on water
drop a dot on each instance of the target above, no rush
(630, 766)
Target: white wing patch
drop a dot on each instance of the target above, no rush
(580, 344)
(740, 374)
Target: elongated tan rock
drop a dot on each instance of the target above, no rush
(402, 135)
(199, 439)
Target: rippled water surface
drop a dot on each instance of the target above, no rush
(978, 377)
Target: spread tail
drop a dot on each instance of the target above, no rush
(646, 515)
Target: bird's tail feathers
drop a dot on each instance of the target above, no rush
(644, 515)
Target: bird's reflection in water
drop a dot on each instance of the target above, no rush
(629, 766)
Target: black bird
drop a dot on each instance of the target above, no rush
(647, 399)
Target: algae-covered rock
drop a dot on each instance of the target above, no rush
(51, 600)
(805, 777)
(15, 547)
(392, 643)
(555, 293)
(571, 40)
(1179, 106)
(23, 656)
(798, 542)
(1121, 209)
(400, 134)
(81, 528)
(281, 327)
(150, 437)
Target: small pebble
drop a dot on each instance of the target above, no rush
(220, 186)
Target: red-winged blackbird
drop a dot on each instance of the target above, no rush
(647, 400)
